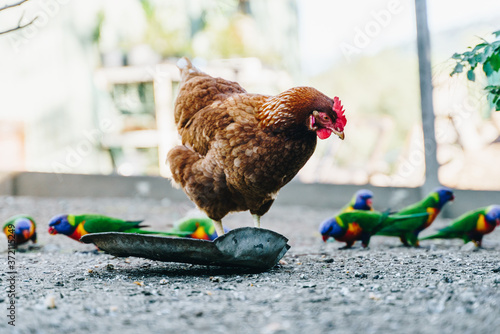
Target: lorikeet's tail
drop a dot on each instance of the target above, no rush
(440, 235)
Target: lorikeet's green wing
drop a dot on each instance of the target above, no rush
(413, 221)
(369, 221)
(99, 224)
(428, 202)
(409, 225)
(459, 227)
(365, 219)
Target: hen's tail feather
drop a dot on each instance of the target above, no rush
(187, 68)
(180, 158)
(202, 182)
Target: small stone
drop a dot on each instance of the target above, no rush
(360, 275)
(50, 302)
(446, 279)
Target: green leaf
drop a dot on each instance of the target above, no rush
(496, 33)
(479, 46)
(480, 58)
(471, 75)
(487, 68)
(488, 51)
(456, 56)
(458, 69)
(495, 61)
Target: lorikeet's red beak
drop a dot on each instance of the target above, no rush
(325, 237)
(369, 201)
(26, 234)
(498, 222)
(52, 230)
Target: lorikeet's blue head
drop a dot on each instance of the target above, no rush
(330, 228)
(444, 194)
(364, 200)
(492, 217)
(23, 227)
(60, 224)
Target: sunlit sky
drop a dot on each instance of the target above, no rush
(338, 23)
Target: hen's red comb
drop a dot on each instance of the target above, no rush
(339, 110)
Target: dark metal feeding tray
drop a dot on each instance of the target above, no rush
(242, 247)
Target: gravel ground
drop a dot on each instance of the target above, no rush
(66, 287)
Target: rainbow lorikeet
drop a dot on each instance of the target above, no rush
(471, 226)
(197, 228)
(21, 228)
(362, 200)
(360, 225)
(75, 226)
(407, 230)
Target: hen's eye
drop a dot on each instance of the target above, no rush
(326, 118)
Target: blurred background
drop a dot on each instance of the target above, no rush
(89, 87)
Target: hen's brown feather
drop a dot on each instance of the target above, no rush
(239, 149)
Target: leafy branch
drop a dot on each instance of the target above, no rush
(485, 55)
(19, 25)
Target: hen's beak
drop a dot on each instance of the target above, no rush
(339, 133)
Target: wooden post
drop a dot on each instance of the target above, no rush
(424, 63)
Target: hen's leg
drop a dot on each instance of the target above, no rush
(256, 220)
(218, 227)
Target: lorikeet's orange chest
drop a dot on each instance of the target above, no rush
(200, 233)
(433, 212)
(79, 232)
(483, 227)
(353, 233)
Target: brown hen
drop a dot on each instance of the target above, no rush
(239, 149)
